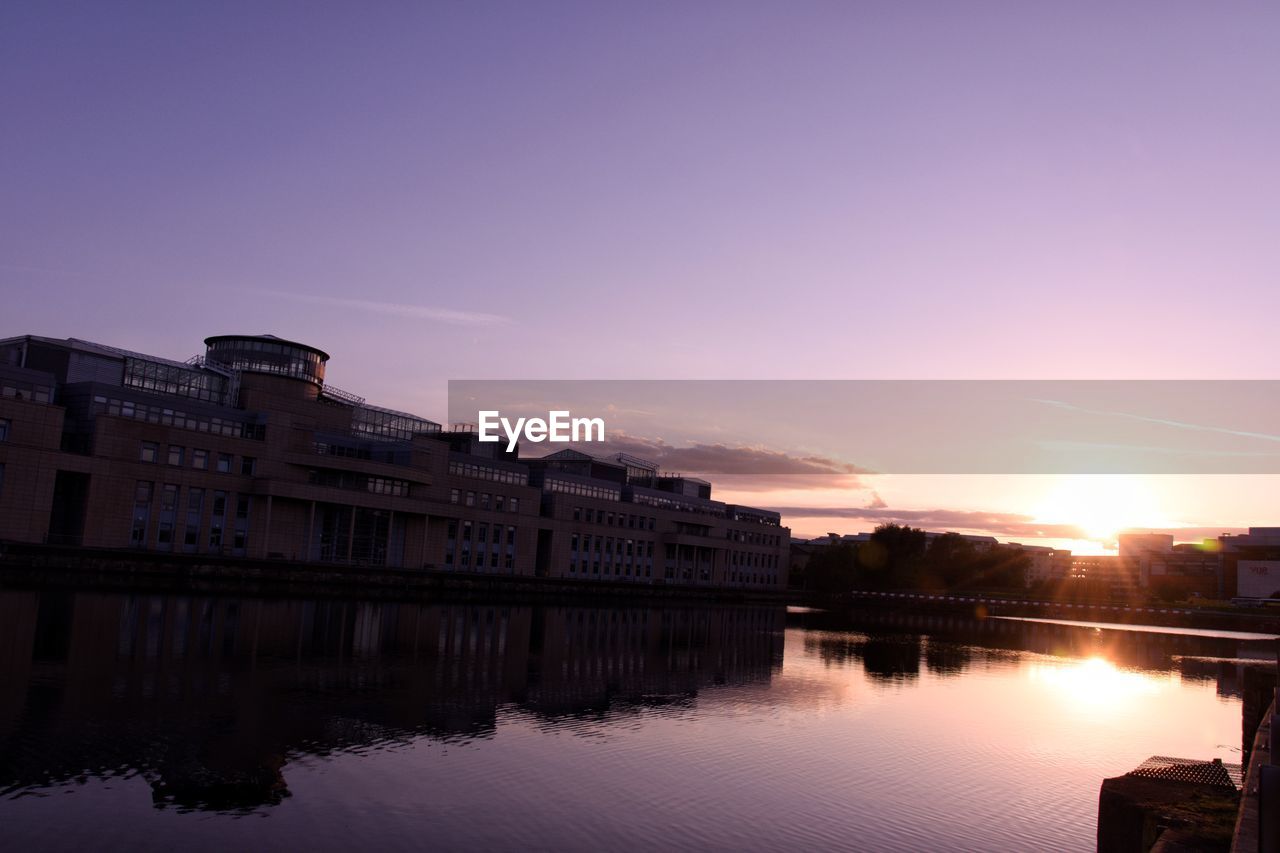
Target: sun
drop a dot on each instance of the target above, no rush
(1102, 506)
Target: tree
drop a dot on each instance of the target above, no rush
(833, 569)
(903, 549)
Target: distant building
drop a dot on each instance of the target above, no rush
(245, 451)
(1241, 555)
(1258, 579)
(1045, 564)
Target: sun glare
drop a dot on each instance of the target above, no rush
(1102, 506)
(1095, 682)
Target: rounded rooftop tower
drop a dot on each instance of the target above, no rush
(267, 354)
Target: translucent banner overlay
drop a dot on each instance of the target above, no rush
(840, 428)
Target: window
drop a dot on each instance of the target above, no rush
(217, 521)
(168, 508)
(471, 498)
(454, 496)
(175, 455)
(484, 500)
(242, 507)
(191, 534)
(515, 504)
(150, 451)
(141, 513)
(499, 501)
(247, 465)
(224, 463)
(200, 460)
(4, 429)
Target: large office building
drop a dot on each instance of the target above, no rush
(245, 452)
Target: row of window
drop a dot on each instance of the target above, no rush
(610, 555)
(176, 455)
(383, 423)
(178, 381)
(753, 538)
(753, 561)
(358, 482)
(486, 472)
(670, 503)
(603, 493)
(610, 545)
(753, 578)
(498, 503)
(612, 519)
(35, 393)
(182, 420)
(176, 529)
(324, 448)
(479, 546)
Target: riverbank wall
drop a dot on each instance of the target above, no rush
(23, 565)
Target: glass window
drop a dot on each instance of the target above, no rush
(515, 504)
(224, 463)
(150, 451)
(200, 459)
(247, 465)
(484, 500)
(471, 498)
(4, 429)
(454, 496)
(175, 455)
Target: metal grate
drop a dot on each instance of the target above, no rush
(1189, 770)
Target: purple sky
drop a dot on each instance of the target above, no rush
(710, 190)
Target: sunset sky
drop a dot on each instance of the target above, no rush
(671, 191)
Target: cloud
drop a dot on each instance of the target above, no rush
(1159, 421)
(737, 467)
(877, 502)
(396, 309)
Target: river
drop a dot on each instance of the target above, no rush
(166, 721)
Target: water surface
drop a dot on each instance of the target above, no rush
(152, 722)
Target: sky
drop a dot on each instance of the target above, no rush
(436, 191)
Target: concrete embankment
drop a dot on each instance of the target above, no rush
(1266, 622)
(39, 565)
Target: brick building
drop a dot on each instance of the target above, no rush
(246, 452)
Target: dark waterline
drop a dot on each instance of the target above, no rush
(154, 721)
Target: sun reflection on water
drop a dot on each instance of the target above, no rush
(1095, 683)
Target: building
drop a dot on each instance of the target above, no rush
(1246, 559)
(1044, 564)
(246, 452)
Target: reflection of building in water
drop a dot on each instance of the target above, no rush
(209, 698)
(584, 660)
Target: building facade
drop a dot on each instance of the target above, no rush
(245, 452)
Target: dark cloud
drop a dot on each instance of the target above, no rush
(736, 467)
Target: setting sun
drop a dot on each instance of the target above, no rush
(1103, 506)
